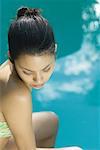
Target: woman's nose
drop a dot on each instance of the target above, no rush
(38, 78)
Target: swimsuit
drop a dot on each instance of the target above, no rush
(4, 130)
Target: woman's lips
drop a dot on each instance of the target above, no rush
(38, 86)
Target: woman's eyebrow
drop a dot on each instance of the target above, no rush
(33, 71)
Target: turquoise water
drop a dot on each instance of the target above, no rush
(73, 91)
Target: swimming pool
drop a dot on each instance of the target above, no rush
(73, 89)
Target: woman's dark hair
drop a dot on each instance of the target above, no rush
(30, 33)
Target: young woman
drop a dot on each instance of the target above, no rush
(30, 65)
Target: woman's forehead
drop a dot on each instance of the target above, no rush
(35, 62)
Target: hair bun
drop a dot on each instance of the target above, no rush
(25, 11)
(21, 12)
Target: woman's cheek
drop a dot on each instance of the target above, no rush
(49, 74)
(25, 78)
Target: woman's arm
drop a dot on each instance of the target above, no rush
(17, 110)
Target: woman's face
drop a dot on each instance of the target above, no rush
(35, 71)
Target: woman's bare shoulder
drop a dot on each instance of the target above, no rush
(12, 93)
(10, 88)
(14, 90)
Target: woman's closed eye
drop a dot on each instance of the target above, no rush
(27, 73)
(46, 70)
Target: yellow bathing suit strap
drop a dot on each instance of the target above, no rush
(4, 130)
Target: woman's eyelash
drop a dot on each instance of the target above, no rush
(47, 69)
(31, 73)
(27, 73)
